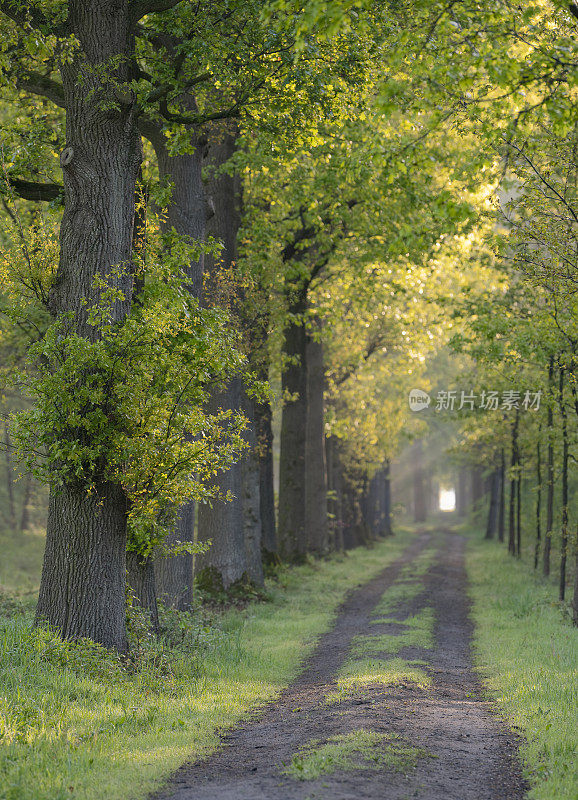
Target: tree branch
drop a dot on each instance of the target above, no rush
(35, 83)
(140, 8)
(30, 190)
(198, 119)
(26, 15)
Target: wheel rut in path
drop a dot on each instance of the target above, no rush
(467, 753)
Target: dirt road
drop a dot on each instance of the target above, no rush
(434, 736)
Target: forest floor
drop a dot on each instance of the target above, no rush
(387, 706)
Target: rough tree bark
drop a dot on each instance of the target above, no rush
(82, 592)
(141, 582)
(174, 574)
(513, 487)
(565, 456)
(220, 521)
(549, 476)
(335, 492)
(224, 522)
(264, 428)
(292, 541)
(538, 501)
(186, 214)
(502, 511)
(315, 464)
(251, 497)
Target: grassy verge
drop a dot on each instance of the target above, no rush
(527, 652)
(75, 722)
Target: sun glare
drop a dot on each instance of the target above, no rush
(447, 500)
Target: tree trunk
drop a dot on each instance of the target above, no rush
(186, 214)
(419, 496)
(477, 478)
(513, 486)
(82, 592)
(350, 526)
(263, 424)
(519, 511)
(226, 561)
(141, 582)
(174, 574)
(221, 521)
(494, 503)
(25, 516)
(187, 210)
(462, 494)
(502, 512)
(83, 577)
(335, 491)
(575, 597)
(315, 466)
(564, 538)
(251, 480)
(9, 479)
(387, 514)
(538, 502)
(549, 476)
(292, 541)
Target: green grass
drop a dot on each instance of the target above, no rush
(358, 750)
(76, 722)
(357, 673)
(418, 634)
(403, 591)
(527, 652)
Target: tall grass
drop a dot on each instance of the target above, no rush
(527, 652)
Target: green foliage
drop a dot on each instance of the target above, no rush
(126, 403)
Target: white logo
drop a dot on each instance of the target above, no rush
(418, 400)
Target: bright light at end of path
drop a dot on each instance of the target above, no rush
(447, 500)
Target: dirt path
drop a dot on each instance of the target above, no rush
(464, 752)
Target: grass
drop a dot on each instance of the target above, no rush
(527, 652)
(403, 591)
(357, 673)
(418, 633)
(76, 722)
(357, 750)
